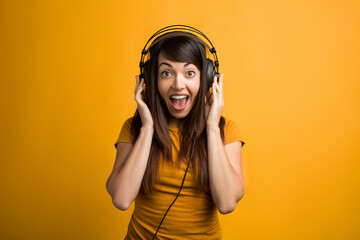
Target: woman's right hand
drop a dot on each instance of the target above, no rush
(145, 114)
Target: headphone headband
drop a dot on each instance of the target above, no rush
(178, 33)
(178, 30)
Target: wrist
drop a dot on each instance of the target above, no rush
(212, 127)
(147, 128)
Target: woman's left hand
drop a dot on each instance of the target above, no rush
(214, 111)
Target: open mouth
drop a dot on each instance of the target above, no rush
(179, 102)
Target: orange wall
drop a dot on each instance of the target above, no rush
(291, 81)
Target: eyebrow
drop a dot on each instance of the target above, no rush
(168, 64)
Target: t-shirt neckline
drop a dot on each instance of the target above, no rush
(174, 129)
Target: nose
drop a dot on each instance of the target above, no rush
(179, 82)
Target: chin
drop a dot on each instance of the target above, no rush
(178, 115)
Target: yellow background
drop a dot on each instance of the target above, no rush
(292, 81)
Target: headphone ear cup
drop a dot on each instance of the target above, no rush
(146, 72)
(144, 69)
(210, 73)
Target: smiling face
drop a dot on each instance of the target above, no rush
(178, 84)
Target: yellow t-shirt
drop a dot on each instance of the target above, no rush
(193, 215)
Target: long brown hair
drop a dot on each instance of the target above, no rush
(179, 49)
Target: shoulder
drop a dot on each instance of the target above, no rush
(232, 131)
(128, 122)
(229, 124)
(125, 132)
(127, 125)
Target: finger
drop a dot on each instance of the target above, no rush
(141, 83)
(220, 92)
(137, 80)
(214, 82)
(221, 80)
(137, 83)
(139, 88)
(137, 95)
(215, 79)
(214, 90)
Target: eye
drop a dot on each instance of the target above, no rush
(190, 73)
(165, 74)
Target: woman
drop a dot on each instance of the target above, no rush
(175, 110)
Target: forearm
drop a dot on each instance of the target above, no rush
(124, 184)
(226, 186)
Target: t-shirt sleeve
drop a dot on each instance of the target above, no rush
(232, 132)
(125, 133)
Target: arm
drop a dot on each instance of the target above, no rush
(125, 180)
(225, 173)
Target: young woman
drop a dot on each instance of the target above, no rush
(178, 118)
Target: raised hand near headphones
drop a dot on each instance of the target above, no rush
(215, 109)
(145, 114)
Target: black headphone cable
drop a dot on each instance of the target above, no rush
(192, 150)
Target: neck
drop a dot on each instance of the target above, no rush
(176, 123)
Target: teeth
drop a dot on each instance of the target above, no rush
(178, 97)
